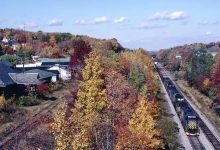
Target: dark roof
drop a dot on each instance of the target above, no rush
(7, 63)
(42, 73)
(5, 79)
(54, 63)
(54, 71)
(30, 68)
(25, 78)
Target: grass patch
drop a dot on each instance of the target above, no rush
(27, 101)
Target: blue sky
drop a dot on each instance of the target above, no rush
(150, 24)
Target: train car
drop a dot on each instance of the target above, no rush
(189, 119)
(172, 92)
(178, 100)
(169, 84)
(164, 79)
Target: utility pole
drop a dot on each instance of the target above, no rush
(23, 57)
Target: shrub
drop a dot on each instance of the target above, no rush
(42, 87)
(26, 101)
(54, 86)
(10, 58)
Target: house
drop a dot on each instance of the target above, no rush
(5, 40)
(60, 65)
(46, 63)
(7, 84)
(31, 65)
(5, 69)
(43, 75)
(64, 72)
(29, 81)
(26, 78)
(49, 62)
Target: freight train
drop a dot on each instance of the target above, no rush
(187, 115)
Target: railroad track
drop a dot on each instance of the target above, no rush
(209, 135)
(195, 142)
(17, 131)
(212, 139)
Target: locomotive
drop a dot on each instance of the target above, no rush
(187, 115)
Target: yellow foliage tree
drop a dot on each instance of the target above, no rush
(206, 83)
(60, 129)
(75, 132)
(90, 101)
(91, 94)
(142, 125)
(2, 102)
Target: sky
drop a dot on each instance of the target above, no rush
(148, 24)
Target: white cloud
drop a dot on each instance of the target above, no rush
(208, 33)
(151, 26)
(120, 20)
(168, 15)
(55, 22)
(82, 22)
(98, 20)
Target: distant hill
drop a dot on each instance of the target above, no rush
(46, 44)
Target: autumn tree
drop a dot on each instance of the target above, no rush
(22, 38)
(2, 102)
(136, 78)
(143, 131)
(216, 74)
(104, 132)
(81, 51)
(121, 97)
(200, 65)
(90, 101)
(111, 60)
(61, 130)
(125, 65)
(63, 37)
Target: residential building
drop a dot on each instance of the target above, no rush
(44, 75)
(64, 72)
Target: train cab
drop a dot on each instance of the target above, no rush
(169, 84)
(192, 127)
(189, 119)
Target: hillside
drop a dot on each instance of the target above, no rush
(212, 47)
(111, 96)
(47, 44)
(199, 65)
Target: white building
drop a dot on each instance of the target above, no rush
(5, 40)
(64, 73)
(37, 64)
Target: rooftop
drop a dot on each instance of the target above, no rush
(42, 73)
(5, 69)
(54, 59)
(25, 78)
